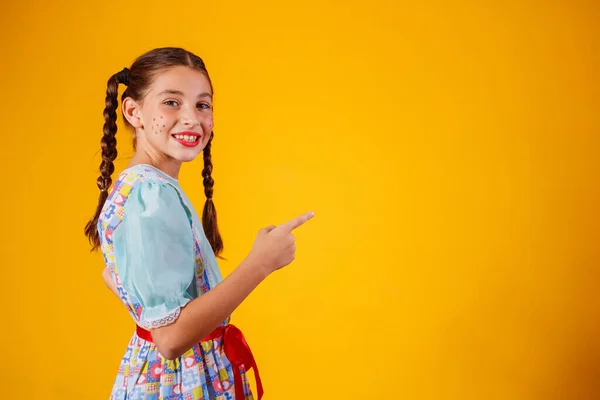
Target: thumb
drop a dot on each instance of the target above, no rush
(270, 228)
(266, 230)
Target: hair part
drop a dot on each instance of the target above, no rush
(138, 79)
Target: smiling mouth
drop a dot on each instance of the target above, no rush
(187, 138)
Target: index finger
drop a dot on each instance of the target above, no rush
(296, 222)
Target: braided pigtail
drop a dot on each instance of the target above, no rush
(209, 214)
(109, 151)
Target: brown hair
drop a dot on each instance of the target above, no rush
(138, 79)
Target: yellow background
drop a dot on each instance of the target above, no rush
(449, 150)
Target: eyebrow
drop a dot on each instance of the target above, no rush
(180, 93)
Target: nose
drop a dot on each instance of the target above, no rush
(189, 118)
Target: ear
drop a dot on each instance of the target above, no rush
(133, 112)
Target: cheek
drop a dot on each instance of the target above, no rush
(208, 123)
(159, 123)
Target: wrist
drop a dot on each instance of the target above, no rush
(257, 265)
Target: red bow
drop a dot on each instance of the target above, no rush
(237, 351)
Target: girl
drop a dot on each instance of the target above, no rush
(160, 259)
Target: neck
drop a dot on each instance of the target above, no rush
(170, 167)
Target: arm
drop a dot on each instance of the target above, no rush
(202, 315)
(109, 282)
(156, 259)
(273, 249)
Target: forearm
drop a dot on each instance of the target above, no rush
(109, 282)
(203, 314)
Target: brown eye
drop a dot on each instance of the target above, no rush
(171, 103)
(203, 106)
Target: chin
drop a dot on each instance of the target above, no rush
(186, 154)
(186, 157)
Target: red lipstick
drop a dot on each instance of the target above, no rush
(187, 139)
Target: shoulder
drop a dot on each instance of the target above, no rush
(141, 173)
(139, 178)
(140, 187)
(141, 194)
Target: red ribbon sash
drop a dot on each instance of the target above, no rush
(236, 349)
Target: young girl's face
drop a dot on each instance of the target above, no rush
(176, 115)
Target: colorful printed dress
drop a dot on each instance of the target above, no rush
(159, 259)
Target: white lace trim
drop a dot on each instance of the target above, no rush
(157, 323)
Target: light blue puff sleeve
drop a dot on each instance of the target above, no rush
(154, 253)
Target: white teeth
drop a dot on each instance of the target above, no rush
(187, 138)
